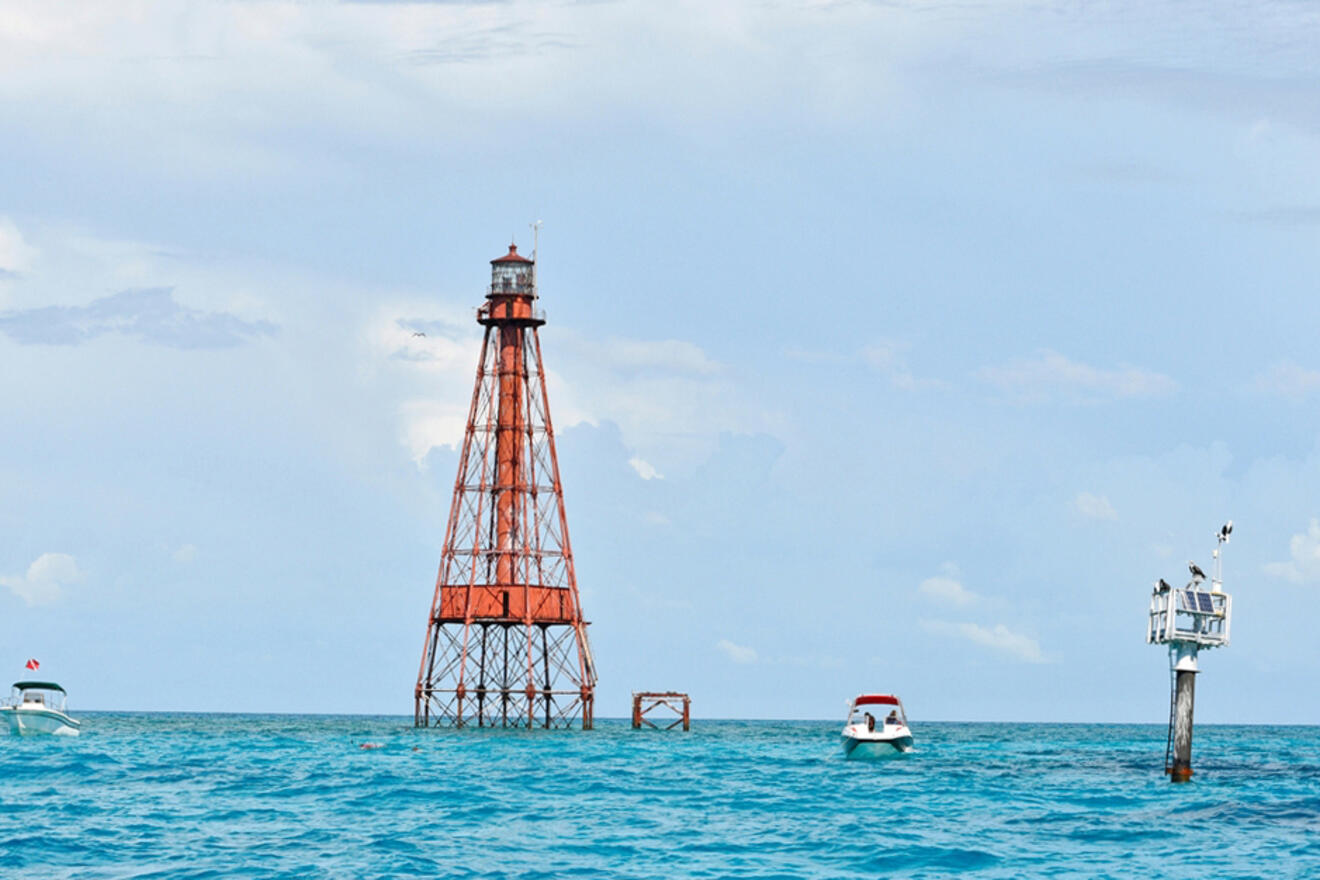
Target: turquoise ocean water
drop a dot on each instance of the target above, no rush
(193, 796)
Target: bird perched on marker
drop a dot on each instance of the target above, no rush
(1224, 531)
(1197, 574)
(1163, 586)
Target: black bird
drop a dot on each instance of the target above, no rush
(418, 333)
(1197, 574)
(1164, 586)
(1225, 531)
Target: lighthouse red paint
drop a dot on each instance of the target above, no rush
(506, 644)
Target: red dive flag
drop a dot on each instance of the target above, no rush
(33, 664)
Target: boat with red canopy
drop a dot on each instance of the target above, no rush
(866, 736)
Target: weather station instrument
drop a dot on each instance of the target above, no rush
(1187, 620)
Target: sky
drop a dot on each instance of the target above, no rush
(893, 346)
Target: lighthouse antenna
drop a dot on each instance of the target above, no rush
(536, 235)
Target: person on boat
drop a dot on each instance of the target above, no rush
(893, 717)
(870, 721)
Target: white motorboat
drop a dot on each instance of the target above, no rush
(865, 736)
(38, 707)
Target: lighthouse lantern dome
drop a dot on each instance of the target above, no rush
(512, 274)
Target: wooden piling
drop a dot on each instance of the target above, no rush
(1184, 704)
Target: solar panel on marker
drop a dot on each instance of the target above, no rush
(1207, 605)
(1187, 599)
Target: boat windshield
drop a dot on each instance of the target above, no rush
(884, 713)
(37, 695)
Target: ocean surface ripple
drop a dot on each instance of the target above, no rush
(193, 796)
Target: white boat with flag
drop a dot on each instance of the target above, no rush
(865, 736)
(38, 707)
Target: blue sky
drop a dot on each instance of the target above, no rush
(893, 346)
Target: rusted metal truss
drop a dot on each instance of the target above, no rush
(646, 701)
(506, 643)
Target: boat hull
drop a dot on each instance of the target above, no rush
(39, 722)
(857, 748)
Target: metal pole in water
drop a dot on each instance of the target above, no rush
(1187, 620)
(1184, 707)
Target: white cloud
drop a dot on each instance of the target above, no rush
(424, 355)
(668, 355)
(45, 579)
(16, 254)
(435, 339)
(1051, 375)
(151, 314)
(946, 587)
(76, 276)
(185, 554)
(889, 358)
(1304, 566)
(349, 68)
(736, 653)
(428, 424)
(1094, 506)
(999, 638)
(1287, 380)
(669, 399)
(645, 469)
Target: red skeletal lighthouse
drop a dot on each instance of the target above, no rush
(506, 644)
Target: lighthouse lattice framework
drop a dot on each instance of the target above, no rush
(506, 643)
(1187, 620)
